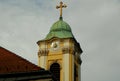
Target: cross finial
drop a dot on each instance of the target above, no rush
(61, 6)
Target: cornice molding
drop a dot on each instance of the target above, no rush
(68, 50)
(43, 53)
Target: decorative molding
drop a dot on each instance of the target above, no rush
(78, 60)
(43, 53)
(68, 50)
(55, 61)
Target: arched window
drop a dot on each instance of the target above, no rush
(55, 69)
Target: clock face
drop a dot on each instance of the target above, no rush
(55, 45)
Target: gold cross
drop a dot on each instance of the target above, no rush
(61, 6)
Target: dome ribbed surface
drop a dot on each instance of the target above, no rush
(60, 29)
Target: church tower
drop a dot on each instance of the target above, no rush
(59, 52)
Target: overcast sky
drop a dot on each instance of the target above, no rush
(94, 23)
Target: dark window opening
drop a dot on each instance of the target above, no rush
(55, 69)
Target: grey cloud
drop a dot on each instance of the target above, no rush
(95, 24)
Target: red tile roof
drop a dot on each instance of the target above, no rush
(12, 63)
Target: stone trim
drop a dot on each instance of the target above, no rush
(79, 61)
(67, 50)
(55, 61)
(43, 53)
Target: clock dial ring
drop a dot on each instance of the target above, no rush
(55, 45)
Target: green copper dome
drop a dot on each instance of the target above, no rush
(60, 29)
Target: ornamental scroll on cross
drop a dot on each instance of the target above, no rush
(61, 6)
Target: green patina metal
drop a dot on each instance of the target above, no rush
(60, 29)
